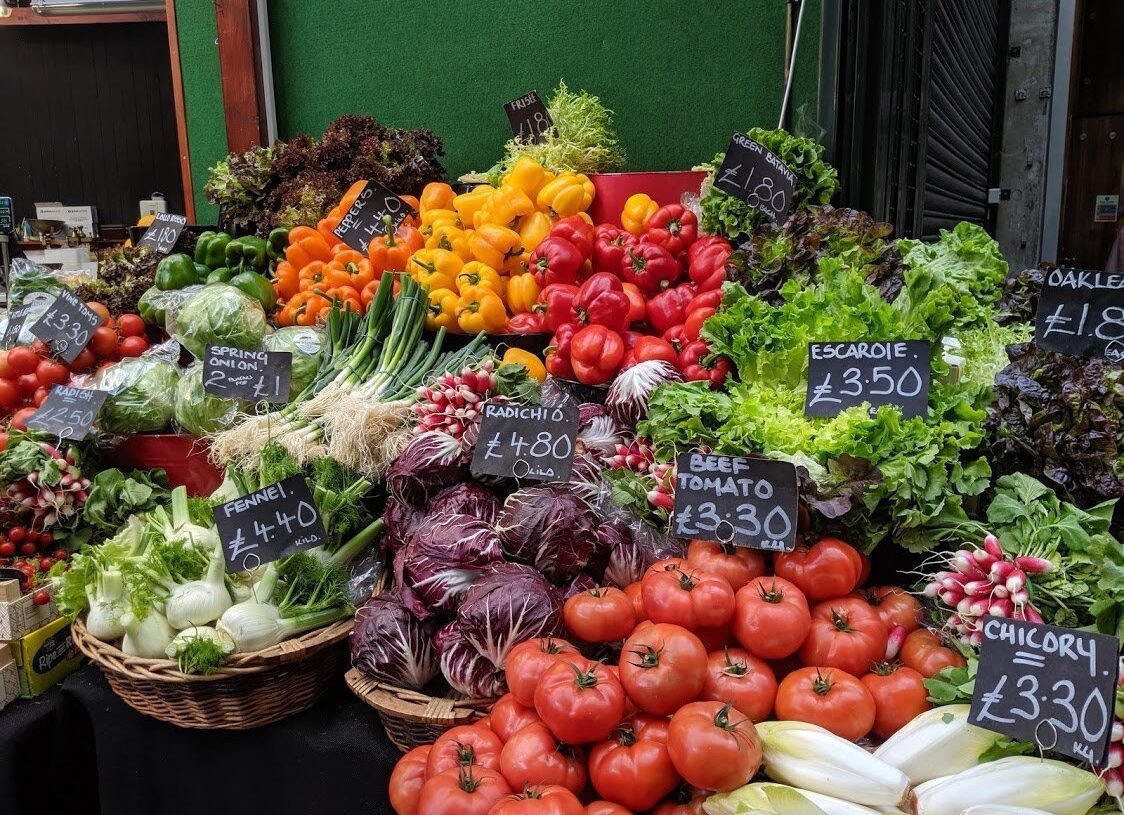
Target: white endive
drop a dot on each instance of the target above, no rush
(1000, 809)
(147, 637)
(1018, 781)
(203, 601)
(936, 743)
(105, 596)
(779, 799)
(811, 758)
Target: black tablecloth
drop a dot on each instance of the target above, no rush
(79, 749)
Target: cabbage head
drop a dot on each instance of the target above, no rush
(305, 344)
(141, 395)
(202, 413)
(219, 315)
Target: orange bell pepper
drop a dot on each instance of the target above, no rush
(412, 216)
(435, 195)
(286, 280)
(522, 292)
(313, 275)
(326, 227)
(350, 196)
(534, 228)
(391, 252)
(368, 294)
(305, 246)
(350, 269)
(348, 298)
(305, 308)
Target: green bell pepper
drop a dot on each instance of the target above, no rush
(210, 248)
(247, 252)
(147, 309)
(176, 272)
(276, 242)
(257, 287)
(220, 275)
(202, 270)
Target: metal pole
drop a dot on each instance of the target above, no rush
(1059, 122)
(791, 65)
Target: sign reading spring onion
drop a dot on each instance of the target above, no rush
(259, 376)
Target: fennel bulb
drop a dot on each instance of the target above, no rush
(103, 620)
(146, 637)
(203, 601)
(200, 649)
(254, 625)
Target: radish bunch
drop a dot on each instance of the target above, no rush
(53, 493)
(1113, 772)
(983, 581)
(452, 403)
(639, 457)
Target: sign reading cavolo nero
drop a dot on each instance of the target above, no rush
(756, 176)
(367, 217)
(255, 375)
(733, 499)
(1050, 686)
(535, 443)
(1081, 313)
(845, 374)
(265, 525)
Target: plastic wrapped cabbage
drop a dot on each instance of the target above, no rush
(219, 315)
(305, 344)
(202, 413)
(141, 391)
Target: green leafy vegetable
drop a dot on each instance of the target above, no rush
(219, 315)
(115, 496)
(141, 394)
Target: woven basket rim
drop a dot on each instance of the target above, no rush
(109, 657)
(406, 703)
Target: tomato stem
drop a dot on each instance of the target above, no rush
(773, 595)
(649, 656)
(822, 685)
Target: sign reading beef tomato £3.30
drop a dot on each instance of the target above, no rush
(526, 442)
(733, 499)
(756, 176)
(1050, 686)
(262, 526)
(1081, 313)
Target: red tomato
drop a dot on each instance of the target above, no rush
(40, 396)
(713, 746)
(529, 660)
(104, 341)
(407, 779)
(685, 801)
(84, 361)
(41, 349)
(464, 746)
(6, 371)
(634, 593)
(599, 615)
(22, 360)
(831, 698)
(668, 564)
(605, 808)
(846, 633)
(28, 384)
(579, 700)
(132, 347)
(462, 791)
(738, 677)
(544, 800)
(9, 394)
(737, 564)
(534, 756)
(771, 617)
(52, 373)
(508, 717)
(923, 651)
(687, 597)
(714, 639)
(647, 726)
(663, 667)
(894, 605)
(130, 325)
(20, 417)
(899, 695)
(827, 568)
(99, 309)
(7, 549)
(632, 771)
(654, 348)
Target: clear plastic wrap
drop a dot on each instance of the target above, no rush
(141, 391)
(202, 413)
(305, 343)
(218, 315)
(163, 303)
(28, 282)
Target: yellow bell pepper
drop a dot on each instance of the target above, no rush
(638, 209)
(435, 195)
(493, 245)
(442, 310)
(517, 356)
(533, 229)
(480, 309)
(451, 239)
(435, 268)
(568, 194)
(475, 273)
(516, 264)
(434, 218)
(467, 203)
(503, 207)
(522, 292)
(527, 175)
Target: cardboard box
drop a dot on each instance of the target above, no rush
(85, 217)
(19, 615)
(45, 656)
(9, 675)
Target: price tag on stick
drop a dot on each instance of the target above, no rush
(733, 499)
(67, 325)
(846, 374)
(68, 413)
(16, 319)
(268, 524)
(530, 443)
(163, 232)
(367, 217)
(260, 376)
(530, 120)
(756, 176)
(1051, 686)
(1081, 313)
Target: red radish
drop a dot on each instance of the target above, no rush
(41, 597)
(1034, 565)
(895, 641)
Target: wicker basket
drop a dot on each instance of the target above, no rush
(412, 717)
(249, 691)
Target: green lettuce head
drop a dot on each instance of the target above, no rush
(202, 413)
(219, 315)
(142, 394)
(305, 344)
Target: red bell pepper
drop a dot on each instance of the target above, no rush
(705, 243)
(558, 351)
(669, 307)
(651, 348)
(674, 228)
(651, 267)
(708, 269)
(631, 338)
(526, 323)
(555, 260)
(601, 301)
(697, 364)
(695, 320)
(637, 303)
(676, 335)
(577, 231)
(609, 247)
(595, 354)
(705, 299)
(555, 305)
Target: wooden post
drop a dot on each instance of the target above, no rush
(181, 111)
(241, 94)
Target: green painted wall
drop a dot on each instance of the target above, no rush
(680, 76)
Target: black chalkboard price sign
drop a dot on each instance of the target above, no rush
(533, 443)
(756, 176)
(529, 118)
(16, 319)
(1047, 685)
(67, 325)
(846, 374)
(1081, 313)
(275, 521)
(163, 232)
(68, 413)
(733, 499)
(367, 217)
(260, 376)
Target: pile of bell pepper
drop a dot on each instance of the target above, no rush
(614, 297)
